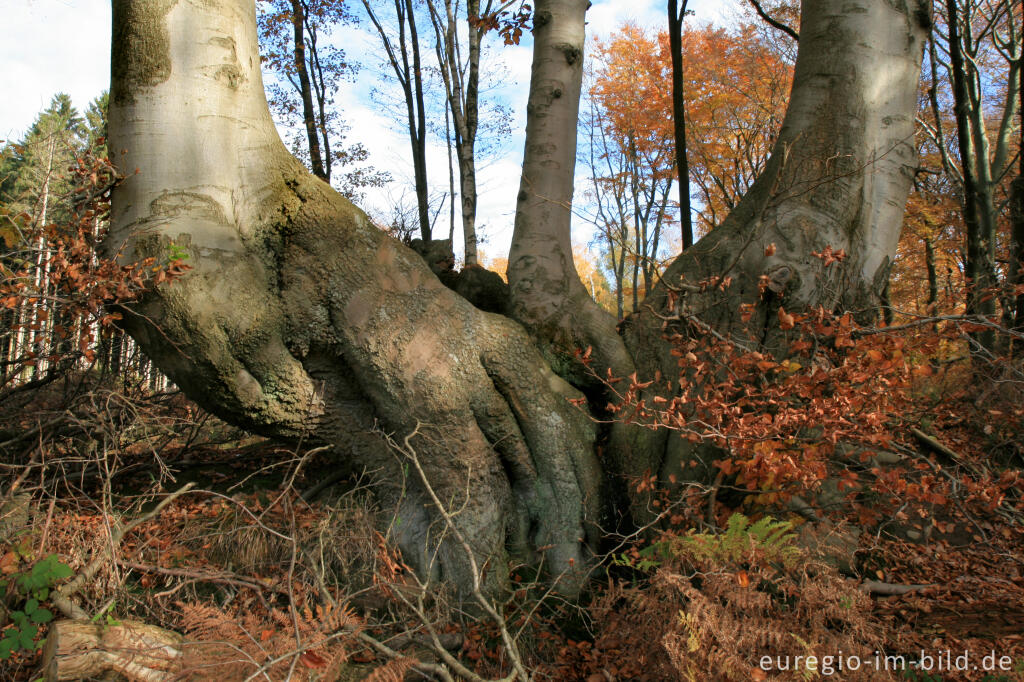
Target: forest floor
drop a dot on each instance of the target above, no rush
(271, 573)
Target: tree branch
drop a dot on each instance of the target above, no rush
(775, 23)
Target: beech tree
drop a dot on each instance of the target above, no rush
(300, 319)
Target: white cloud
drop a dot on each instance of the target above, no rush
(51, 46)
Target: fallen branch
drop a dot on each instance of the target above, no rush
(224, 578)
(79, 649)
(937, 447)
(890, 589)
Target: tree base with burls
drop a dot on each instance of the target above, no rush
(301, 320)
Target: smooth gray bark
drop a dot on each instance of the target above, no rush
(548, 297)
(839, 177)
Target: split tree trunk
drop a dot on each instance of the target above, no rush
(300, 319)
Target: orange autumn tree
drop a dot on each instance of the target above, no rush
(737, 85)
(631, 156)
(927, 273)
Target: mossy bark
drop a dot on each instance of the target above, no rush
(301, 319)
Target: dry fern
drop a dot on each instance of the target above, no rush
(229, 646)
(392, 671)
(717, 604)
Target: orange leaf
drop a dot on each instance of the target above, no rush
(311, 660)
(9, 563)
(786, 321)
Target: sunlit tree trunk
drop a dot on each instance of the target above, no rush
(300, 319)
(838, 178)
(547, 294)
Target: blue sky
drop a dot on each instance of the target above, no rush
(49, 46)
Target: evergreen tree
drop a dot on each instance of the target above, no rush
(33, 172)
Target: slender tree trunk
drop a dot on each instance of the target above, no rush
(1017, 247)
(980, 270)
(467, 137)
(450, 144)
(37, 338)
(676, 16)
(468, 195)
(418, 129)
(620, 277)
(410, 77)
(652, 263)
(1017, 210)
(886, 304)
(308, 113)
(319, 91)
(462, 90)
(933, 277)
(547, 294)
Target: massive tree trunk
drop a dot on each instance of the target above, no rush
(300, 319)
(838, 177)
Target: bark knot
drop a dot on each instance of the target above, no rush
(778, 278)
(573, 53)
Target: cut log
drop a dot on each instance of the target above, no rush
(77, 650)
